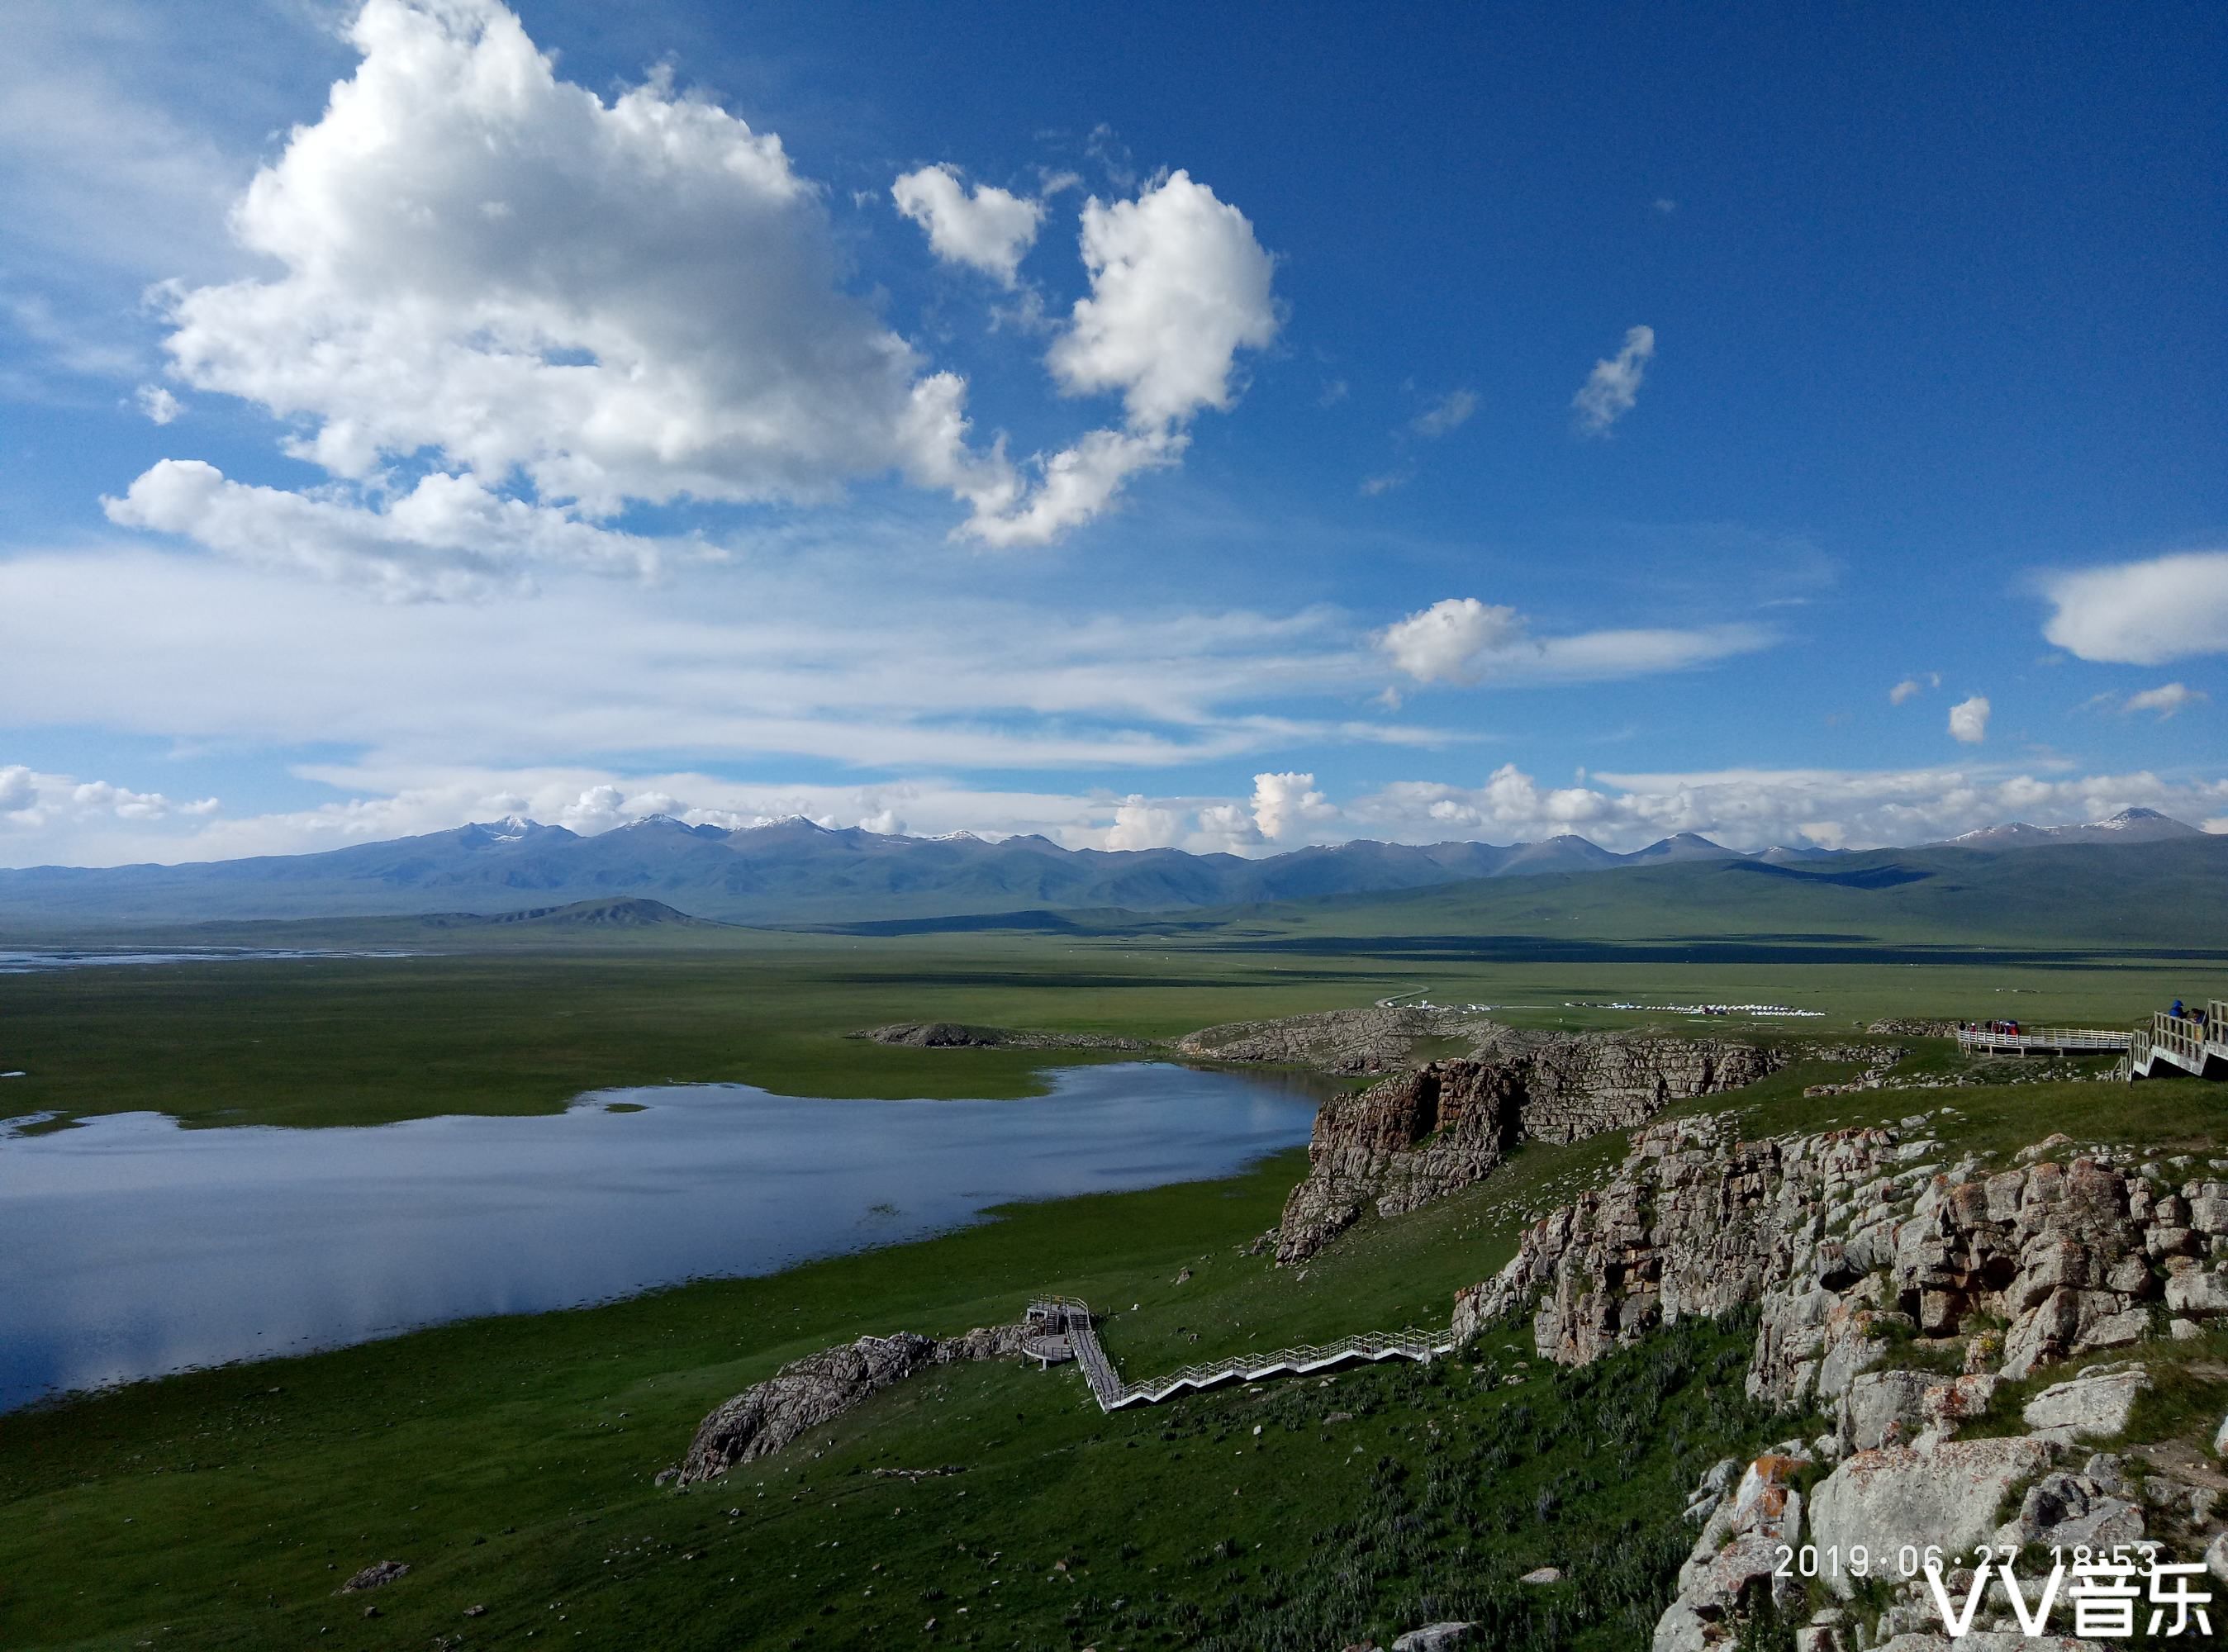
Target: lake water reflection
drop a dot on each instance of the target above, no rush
(130, 1247)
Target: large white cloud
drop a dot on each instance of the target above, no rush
(984, 227)
(1178, 285)
(1138, 824)
(480, 261)
(1447, 641)
(2142, 613)
(1613, 386)
(1284, 804)
(569, 306)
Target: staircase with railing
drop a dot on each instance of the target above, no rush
(1067, 1317)
(2181, 1045)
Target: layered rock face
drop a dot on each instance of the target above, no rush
(1415, 1137)
(808, 1392)
(1421, 1134)
(1853, 1238)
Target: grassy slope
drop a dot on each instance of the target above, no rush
(509, 1460)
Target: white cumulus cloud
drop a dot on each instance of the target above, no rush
(157, 404)
(1284, 803)
(1139, 824)
(1968, 721)
(2142, 613)
(16, 790)
(984, 227)
(1178, 285)
(1614, 385)
(1911, 687)
(1448, 641)
(488, 270)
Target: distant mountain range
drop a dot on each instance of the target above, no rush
(2129, 826)
(795, 871)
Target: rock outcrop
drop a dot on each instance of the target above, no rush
(820, 1388)
(1421, 1134)
(1857, 1247)
(1853, 1240)
(1411, 1138)
(1375, 1040)
(957, 1035)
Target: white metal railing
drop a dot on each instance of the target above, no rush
(1112, 1393)
(2179, 1036)
(2043, 1038)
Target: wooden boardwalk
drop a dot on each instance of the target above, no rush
(1068, 1317)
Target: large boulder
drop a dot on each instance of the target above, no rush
(1894, 1407)
(2094, 1405)
(820, 1388)
(2070, 1510)
(2197, 1294)
(1940, 1492)
(1432, 1637)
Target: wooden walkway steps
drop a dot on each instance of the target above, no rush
(1069, 1317)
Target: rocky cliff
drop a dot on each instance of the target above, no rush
(820, 1388)
(1420, 1135)
(1863, 1248)
(1856, 1237)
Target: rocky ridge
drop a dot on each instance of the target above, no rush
(820, 1388)
(1860, 1247)
(1375, 1040)
(1420, 1135)
(956, 1035)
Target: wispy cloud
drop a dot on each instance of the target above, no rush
(1613, 386)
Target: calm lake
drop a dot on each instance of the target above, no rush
(133, 1248)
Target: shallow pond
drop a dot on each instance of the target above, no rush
(132, 1247)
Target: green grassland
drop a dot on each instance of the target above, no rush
(509, 1461)
(511, 1026)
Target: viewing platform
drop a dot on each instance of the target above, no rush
(2182, 1046)
(1985, 1039)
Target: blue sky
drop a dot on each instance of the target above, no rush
(1233, 431)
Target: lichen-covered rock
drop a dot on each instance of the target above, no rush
(1848, 1241)
(1940, 1492)
(2094, 1405)
(820, 1388)
(2067, 1510)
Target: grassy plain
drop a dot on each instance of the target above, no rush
(506, 1026)
(509, 1461)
